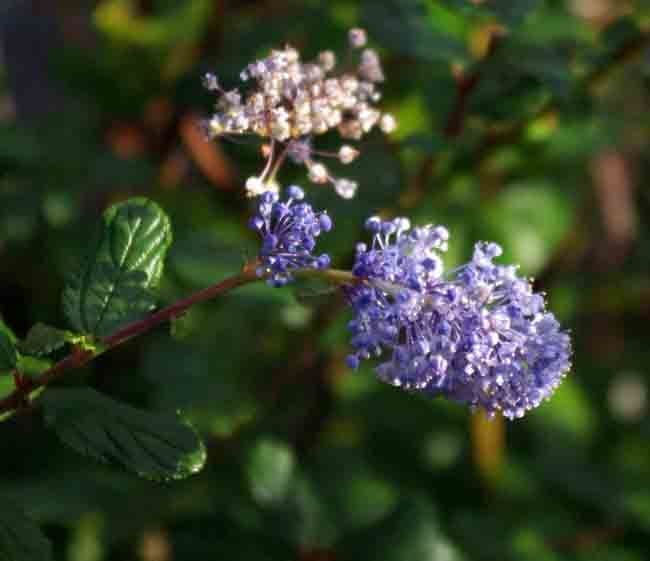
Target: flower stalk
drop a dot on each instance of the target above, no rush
(79, 357)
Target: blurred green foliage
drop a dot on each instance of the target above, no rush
(523, 122)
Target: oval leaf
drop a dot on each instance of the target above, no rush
(114, 287)
(153, 445)
(20, 538)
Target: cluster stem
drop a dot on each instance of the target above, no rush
(79, 357)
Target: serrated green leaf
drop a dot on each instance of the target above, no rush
(43, 339)
(114, 287)
(8, 353)
(20, 538)
(153, 445)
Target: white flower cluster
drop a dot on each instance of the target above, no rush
(294, 100)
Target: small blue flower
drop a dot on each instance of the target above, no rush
(288, 231)
(478, 335)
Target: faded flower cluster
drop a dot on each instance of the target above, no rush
(291, 101)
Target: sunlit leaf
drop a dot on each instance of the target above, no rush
(114, 286)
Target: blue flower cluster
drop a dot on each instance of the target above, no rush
(478, 334)
(288, 231)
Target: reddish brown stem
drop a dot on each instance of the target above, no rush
(79, 357)
(177, 309)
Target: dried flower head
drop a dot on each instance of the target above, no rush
(290, 101)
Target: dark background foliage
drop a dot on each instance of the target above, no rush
(523, 122)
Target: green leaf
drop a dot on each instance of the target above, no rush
(114, 287)
(20, 538)
(43, 339)
(153, 445)
(8, 353)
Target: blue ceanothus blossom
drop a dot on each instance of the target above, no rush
(288, 231)
(478, 334)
